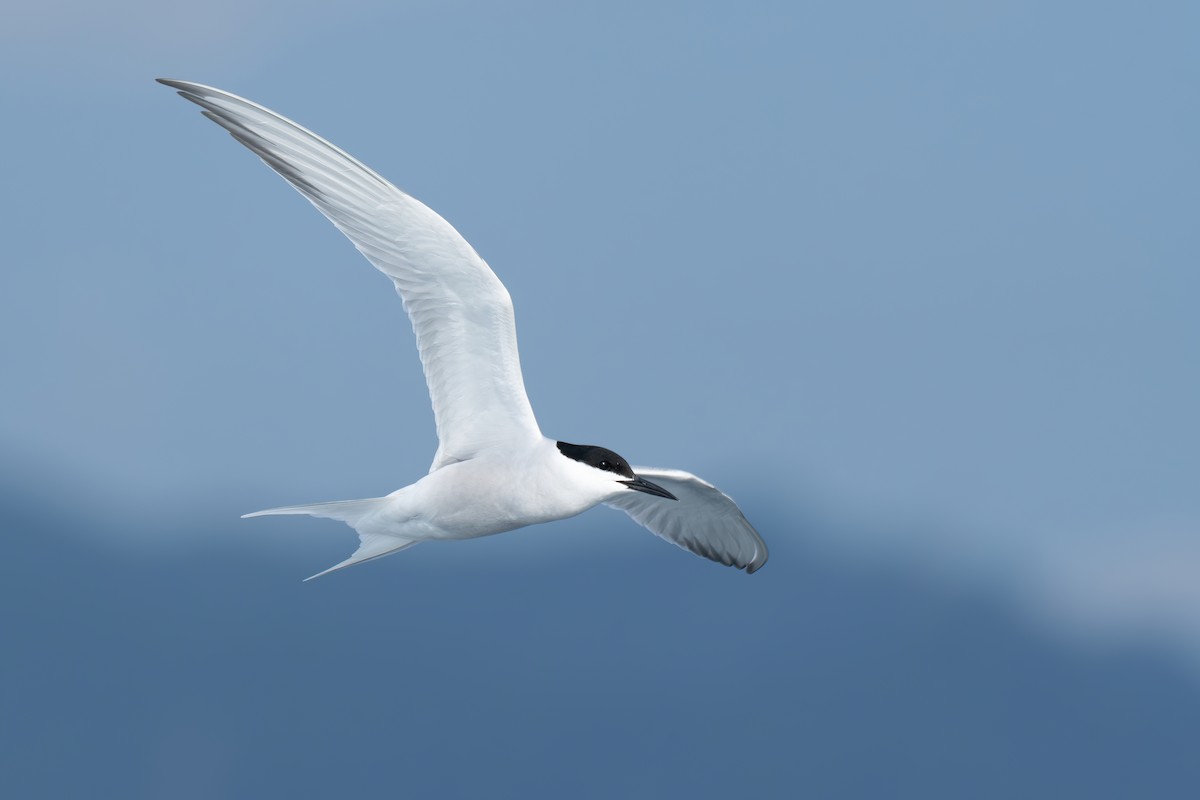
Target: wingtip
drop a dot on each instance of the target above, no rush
(756, 563)
(190, 89)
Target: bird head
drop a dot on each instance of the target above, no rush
(609, 466)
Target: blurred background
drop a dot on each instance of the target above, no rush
(921, 283)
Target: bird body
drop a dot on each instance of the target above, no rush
(475, 498)
(494, 471)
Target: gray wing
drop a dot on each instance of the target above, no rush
(460, 311)
(703, 520)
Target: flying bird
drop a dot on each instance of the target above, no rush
(494, 471)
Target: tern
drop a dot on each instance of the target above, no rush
(494, 471)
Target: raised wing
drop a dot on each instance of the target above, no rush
(461, 313)
(704, 519)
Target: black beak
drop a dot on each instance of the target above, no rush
(643, 485)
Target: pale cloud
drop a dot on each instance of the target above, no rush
(1135, 583)
(1138, 587)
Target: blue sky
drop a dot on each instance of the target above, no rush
(921, 279)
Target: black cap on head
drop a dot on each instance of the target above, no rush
(598, 457)
(604, 459)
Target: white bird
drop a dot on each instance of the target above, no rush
(494, 471)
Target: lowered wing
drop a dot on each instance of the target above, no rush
(704, 520)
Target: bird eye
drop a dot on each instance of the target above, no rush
(605, 465)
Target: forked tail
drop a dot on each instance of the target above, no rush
(356, 514)
(350, 512)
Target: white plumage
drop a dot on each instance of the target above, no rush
(494, 470)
